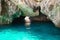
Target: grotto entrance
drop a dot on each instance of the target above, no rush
(18, 20)
(39, 18)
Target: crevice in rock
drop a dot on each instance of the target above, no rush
(4, 6)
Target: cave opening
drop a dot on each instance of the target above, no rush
(18, 20)
(40, 16)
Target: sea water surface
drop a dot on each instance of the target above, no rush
(37, 31)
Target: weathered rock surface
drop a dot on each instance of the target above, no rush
(0, 6)
(7, 9)
(51, 8)
(10, 9)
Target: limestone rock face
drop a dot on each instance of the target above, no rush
(26, 6)
(7, 10)
(10, 9)
(51, 8)
(0, 6)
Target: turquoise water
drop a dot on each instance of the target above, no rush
(37, 31)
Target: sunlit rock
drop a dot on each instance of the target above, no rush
(27, 22)
(51, 8)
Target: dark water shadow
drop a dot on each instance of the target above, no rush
(35, 27)
(45, 28)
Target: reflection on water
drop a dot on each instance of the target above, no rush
(37, 31)
(27, 25)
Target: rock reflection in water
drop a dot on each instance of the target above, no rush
(27, 22)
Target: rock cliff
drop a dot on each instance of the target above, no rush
(10, 9)
(51, 8)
